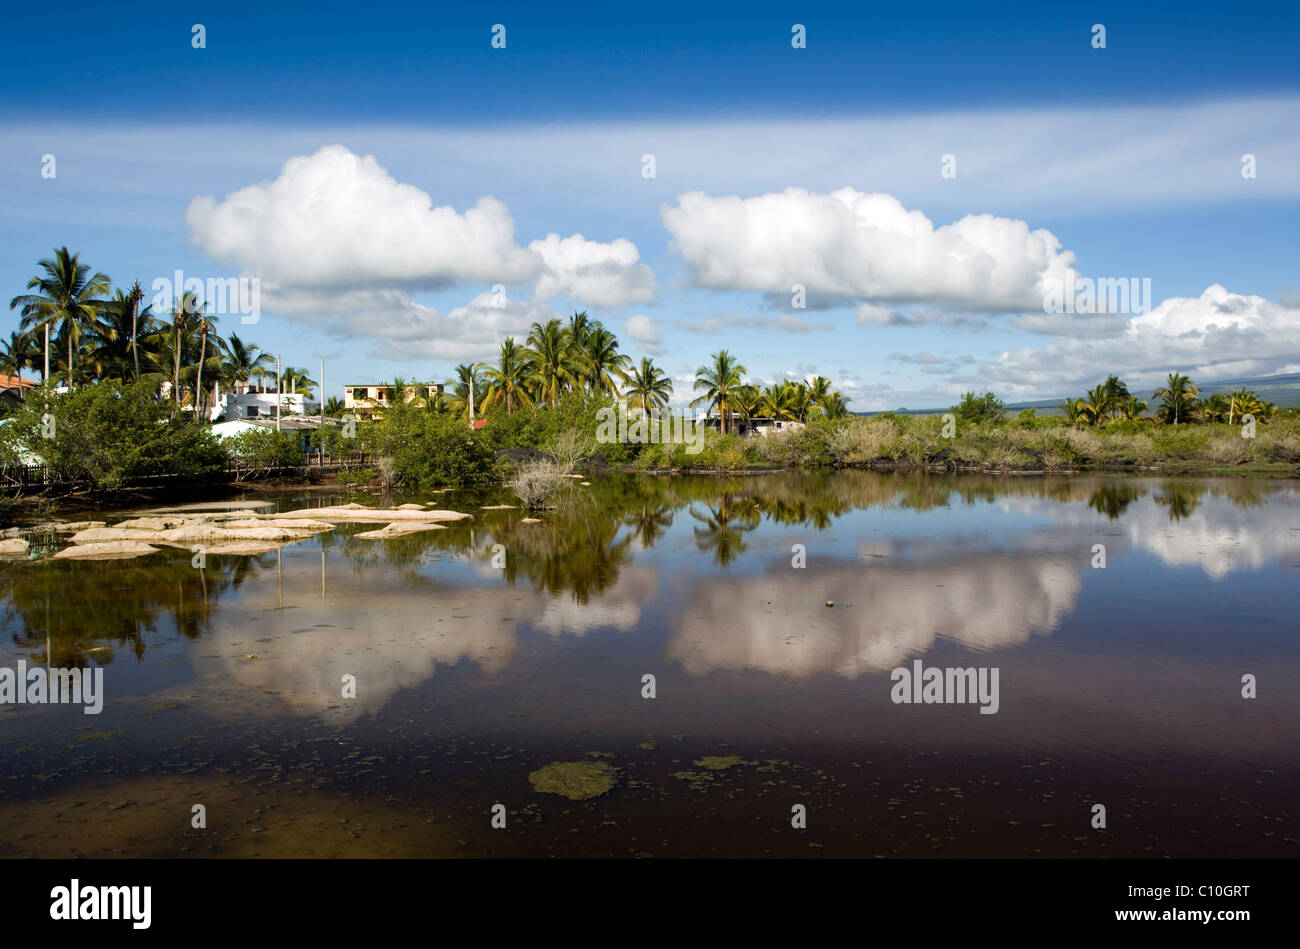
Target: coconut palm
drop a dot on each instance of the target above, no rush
(116, 334)
(604, 368)
(1177, 398)
(297, 380)
(334, 407)
(747, 402)
(458, 399)
(206, 324)
(243, 361)
(1077, 411)
(1132, 408)
(69, 296)
(19, 352)
(836, 406)
(550, 360)
(719, 383)
(1117, 394)
(507, 382)
(1099, 404)
(648, 387)
(580, 327)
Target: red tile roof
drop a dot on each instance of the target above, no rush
(13, 382)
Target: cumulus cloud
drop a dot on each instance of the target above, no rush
(1216, 335)
(786, 322)
(646, 332)
(864, 247)
(603, 275)
(407, 329)
(336, 219)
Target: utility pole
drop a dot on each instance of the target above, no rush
(277, 392)
(471, 401)
(46, 374)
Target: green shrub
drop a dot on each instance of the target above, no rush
(110, 433)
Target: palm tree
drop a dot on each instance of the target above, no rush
(1132, 408)
(1116, 394)
(20, 352)
(297, 379)
(1077, 411)
(182, 329)
(133, 299)
(549, 359)
(649, 387)
(244, 360)
(1099, 404)
(719, 383)
(68, 295)
(580, 327)
(507, 381)
(1178, 398)
(458, 400)
(334, 407)
(747, 402)
(603, 366)
(115, 334)
(206, 324)
(836, 406)
(821, 396)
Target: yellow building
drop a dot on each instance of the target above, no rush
(367, 399)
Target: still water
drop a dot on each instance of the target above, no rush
(770, 611)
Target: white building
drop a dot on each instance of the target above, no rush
(255, 403)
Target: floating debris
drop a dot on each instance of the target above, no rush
(576, 780)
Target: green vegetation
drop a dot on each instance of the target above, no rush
(140, 384)
(108, 434)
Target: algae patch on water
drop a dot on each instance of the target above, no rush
(576, 780)
(720, 762)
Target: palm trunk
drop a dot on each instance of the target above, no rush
(176, 369)
(198, 380)
(70, 332)
(135, 334)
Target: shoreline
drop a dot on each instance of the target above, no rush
(43, 506)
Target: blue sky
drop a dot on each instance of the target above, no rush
(1129, 157)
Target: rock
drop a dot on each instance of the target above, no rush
(115, 535)
(409, 507)
(14, 545)
(499, 507)
(118, 550)
(398, 530)
(287, 523)
(531, 520)
(355, 513)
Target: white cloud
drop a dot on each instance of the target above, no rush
(723, 322)
(646, 332)
(406, 329)
(1215, 335)
(602, 275)
(863, 247)
(335, 219)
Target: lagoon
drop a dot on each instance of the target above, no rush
(491, 649)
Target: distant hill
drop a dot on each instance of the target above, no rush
(1282, 390)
